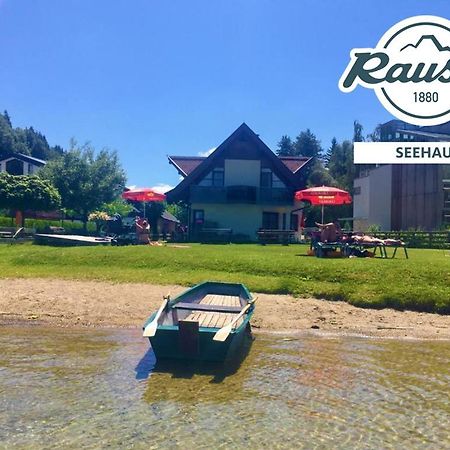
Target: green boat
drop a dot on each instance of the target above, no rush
(207, 322)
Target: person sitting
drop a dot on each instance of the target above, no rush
(329, 232)
(142, 230)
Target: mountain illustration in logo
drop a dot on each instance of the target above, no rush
(428, 38)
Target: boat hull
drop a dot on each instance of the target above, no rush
(167, 344)
(189, 340)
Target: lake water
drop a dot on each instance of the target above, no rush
(66, 388)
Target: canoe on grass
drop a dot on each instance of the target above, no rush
(207, 322)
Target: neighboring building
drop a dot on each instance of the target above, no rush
(242, 186)
(18, 164)
(167, 223)
(404, 196)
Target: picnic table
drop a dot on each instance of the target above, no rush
(215, 235)
(284, 237)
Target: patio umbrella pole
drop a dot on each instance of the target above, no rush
(322, 213)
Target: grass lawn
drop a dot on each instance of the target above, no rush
(421, 283)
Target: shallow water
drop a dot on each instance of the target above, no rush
(64, 388)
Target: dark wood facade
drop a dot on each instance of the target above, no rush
(417, 196)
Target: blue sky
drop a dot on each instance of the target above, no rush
(151, 78)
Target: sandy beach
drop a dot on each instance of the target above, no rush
(102, 304)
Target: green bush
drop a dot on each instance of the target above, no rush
(40, 225)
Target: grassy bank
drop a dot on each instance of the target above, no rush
(421, 283)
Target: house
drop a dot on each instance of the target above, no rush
(242, 186)
(167, 223)
(19, 164)
(404, 196)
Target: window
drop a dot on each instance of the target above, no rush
(270, 221)
(270, 180)
(198, 217)
(14, 167)
(213, 178)
(276, 182)
(217, 177)
(357, 190)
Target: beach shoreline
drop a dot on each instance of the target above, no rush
(71, 303)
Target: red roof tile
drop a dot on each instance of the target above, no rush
(186, 164)
(293, 163)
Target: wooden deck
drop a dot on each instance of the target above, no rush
(216, 319)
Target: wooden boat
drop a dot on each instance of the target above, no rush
(207, 322)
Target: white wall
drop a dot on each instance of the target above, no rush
(381, 197)
(361, 200)
(373, 205)
(239, 172)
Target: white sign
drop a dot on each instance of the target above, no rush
(402, 153)
(409, 70)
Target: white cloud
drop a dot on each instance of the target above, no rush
(207, 153)
(162, 188)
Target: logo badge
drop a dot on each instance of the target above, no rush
(409, 70)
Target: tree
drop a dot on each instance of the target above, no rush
(7, 138)
(341, 165)
(285, 146)
(375, 136)
(319, 175)
(327, 155)
(27, 192)
(180, 211)
(7, 118)
(357, 132)
(25, 140)
(84, 179)
(117, 206)
(307, 144)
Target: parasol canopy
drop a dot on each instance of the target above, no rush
(143, 195)
(324, 195)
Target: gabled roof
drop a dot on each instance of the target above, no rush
(195, 168)
(166, 215)
(25, 158)
(186, 164)
(294, 163)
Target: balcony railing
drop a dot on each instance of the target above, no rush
(241, 194)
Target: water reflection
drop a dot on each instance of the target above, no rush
(99, 388)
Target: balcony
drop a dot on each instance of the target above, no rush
(241, 194)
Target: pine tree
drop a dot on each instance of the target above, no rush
(328, 154)
(7, 118)
(307, 144)
(285, 146)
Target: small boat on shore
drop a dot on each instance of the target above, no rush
(207, 322)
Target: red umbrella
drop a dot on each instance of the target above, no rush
(143, 195)
(324, 195)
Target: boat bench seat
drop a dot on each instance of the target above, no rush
(203, 307)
